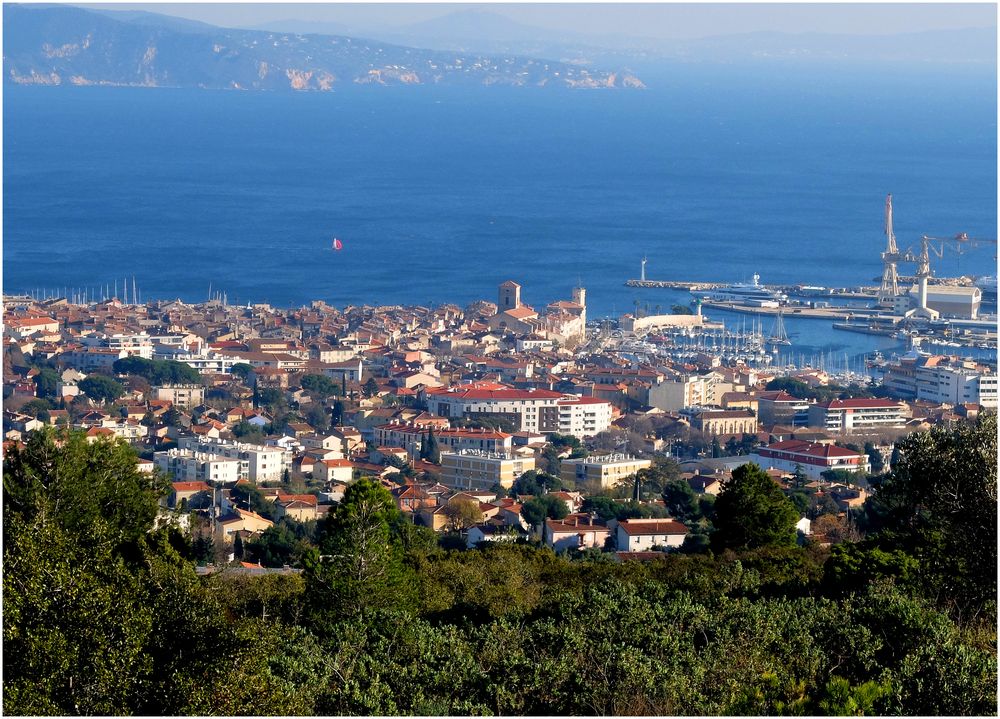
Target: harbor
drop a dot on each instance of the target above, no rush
(911, 311)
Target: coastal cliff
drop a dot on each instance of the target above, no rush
(71, 46)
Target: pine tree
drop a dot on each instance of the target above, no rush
(238, 547)
(433, 452)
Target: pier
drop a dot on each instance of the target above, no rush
(844, 293)
(822, 313)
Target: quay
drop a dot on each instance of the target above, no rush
(823, 313)
(845, 293)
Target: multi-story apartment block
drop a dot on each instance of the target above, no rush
(410, 437)
(605, 471)
(674, 395)
(475, 469)
(937, 378)
(956, 381)
(186, 465)
(257, 463)
(813, 458)
(847, 415)
(530, 410)
(88, 359)
(181, 395)
(780, 408)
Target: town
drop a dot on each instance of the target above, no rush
(494, 422)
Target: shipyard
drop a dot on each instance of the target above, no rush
(918, 310)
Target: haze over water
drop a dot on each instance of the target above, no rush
(440, 194)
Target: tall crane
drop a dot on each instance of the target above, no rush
(889, 289)
(959, 243)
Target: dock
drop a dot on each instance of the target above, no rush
(822, 313)
(844, 293)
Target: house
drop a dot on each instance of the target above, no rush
(572, 500)
(333, 470)
(489, 532)
(413, 497)
(636, 535)
(193, 493)
(701, 484)
(575, 531)
(510, 515)
(433, 516)
(300, 507)
(240, 520)
(848, 498)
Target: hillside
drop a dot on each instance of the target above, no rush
(68, 45)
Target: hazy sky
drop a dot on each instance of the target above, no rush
(658, 20)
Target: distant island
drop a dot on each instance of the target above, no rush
(71, 46)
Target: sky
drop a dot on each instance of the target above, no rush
(651, 20)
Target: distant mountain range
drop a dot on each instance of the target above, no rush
(56, 45)
(479, 30)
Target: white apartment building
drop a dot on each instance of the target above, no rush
(690, 391)
(89, 359)
(530, 410)
(813, 458)
(583, 416)
(956, 382)
(847, 415)
(134, 345)
(256, 463)
(189, 466)
(938, 378)
(475, 469)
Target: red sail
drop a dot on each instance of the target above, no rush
(337, 244)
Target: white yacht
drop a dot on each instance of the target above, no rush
(747, 293)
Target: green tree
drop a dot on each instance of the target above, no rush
(359, 566)
(462, 514)
(752, 511)
(537, 509)
(78, 542)
(249, 497)
(337, 413)
(38, 408)
(875, 459)
(46, 383)
(242, 371)
(320, 385)
(799, 477)
(101, 389)
(681, 501)
(432, 449)
(535, 483)
(937, 504)
(317, 417)
(158, 372)
(370, 388)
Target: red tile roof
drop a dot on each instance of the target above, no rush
(660, 526)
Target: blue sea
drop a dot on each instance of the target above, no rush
(440, 194)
